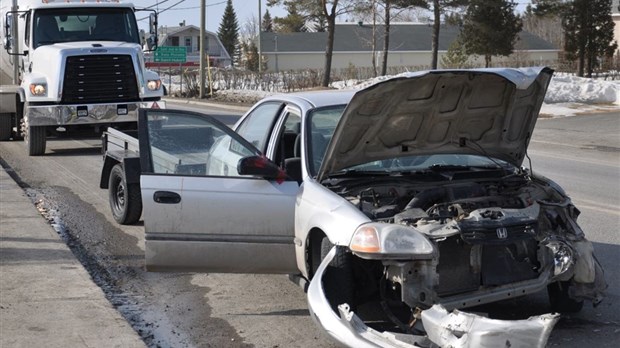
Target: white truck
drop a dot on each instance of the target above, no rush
(69, 63)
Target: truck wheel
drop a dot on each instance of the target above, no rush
(559, 299)
(35, 139)
(125, 199)
(338, 281)
(5, 127)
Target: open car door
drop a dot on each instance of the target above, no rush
(200, 213)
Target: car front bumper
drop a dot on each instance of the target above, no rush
(443, 328)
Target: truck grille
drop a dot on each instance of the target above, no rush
(99, 79)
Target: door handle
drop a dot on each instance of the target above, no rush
(166, 197)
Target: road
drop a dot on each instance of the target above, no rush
(213, 310)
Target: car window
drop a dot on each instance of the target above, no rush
(323, 123)
(257, 126)
(191, 144)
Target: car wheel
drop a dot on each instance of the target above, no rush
(125, 199)
(338, 281)
(559, 299)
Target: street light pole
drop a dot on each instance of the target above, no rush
(202, 48)
(260, 51)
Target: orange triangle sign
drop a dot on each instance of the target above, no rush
(155, 106)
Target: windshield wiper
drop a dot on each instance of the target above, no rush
(357, 172)
(460, 167)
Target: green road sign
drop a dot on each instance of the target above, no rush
(171, 54)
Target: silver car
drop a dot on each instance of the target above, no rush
(409, 193)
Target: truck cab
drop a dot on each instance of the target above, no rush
(72, 63)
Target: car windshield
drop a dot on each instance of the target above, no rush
(437, 163)
(84, 24)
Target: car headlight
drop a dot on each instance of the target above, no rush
(38, 89)
(153, 85)
(563, 257)
(390, 241)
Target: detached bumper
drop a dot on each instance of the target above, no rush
(56, 115)
(455, 329)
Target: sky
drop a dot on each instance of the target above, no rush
(172, 12)
(189, 10)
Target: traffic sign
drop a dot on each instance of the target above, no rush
(171, 54)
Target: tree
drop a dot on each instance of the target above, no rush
(228, 31)
(381, 13)
(456, 57)
(439, 7)
(267, 24)
(588, 28)
(490, 28)
(327, 9)
(294, 21)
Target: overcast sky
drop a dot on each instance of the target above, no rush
(189, 10)
(175, 11)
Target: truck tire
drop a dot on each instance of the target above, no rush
(338, 281)
(125, 199)
(35, 139)
(559, 299)
(5, 127)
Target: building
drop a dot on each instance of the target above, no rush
(410, 45)
(188, 36)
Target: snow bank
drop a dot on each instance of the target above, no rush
(573, 89)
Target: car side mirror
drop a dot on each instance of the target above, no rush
(260, 166)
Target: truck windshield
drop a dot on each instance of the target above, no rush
(84, 24)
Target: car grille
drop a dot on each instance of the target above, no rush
(500, 260)
(99, 79)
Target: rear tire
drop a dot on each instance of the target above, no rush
(559, 299)
(125, 199)
(35, 139)
(5, 127)
(338, 281)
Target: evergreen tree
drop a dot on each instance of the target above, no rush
(588, 29)
(490, 28)
(267, 24)
(251, 62)
(455, 57)
(228, 31)
(294, 21)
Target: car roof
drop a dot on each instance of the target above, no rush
(317, 99)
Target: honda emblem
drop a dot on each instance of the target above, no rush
(502, 233)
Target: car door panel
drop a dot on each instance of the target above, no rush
(197, 221)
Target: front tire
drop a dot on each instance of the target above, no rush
(35, 138)
(5, 127)
(559, 299)
(338, 281)
(125, 199)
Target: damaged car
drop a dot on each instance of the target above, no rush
(409, 194)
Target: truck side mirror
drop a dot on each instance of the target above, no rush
(7, 42)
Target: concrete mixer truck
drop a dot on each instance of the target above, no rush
(72, 63)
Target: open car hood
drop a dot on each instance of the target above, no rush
(488, 112)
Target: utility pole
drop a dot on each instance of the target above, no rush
(260, 28)
(202, 47)
(15, 33)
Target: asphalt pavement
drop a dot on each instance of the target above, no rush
(47, 299)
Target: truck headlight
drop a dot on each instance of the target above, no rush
(38, 89)
(153, 85)
(390, 241)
